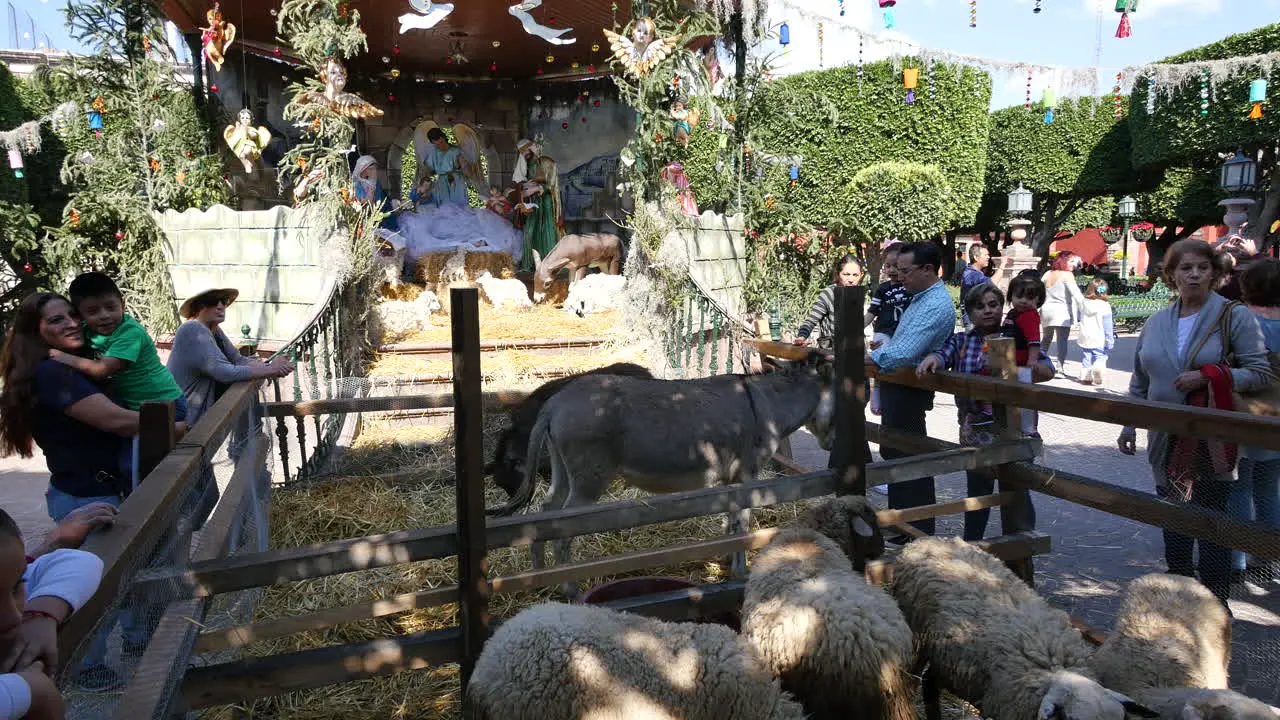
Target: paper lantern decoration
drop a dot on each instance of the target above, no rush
(795, 176)
(1050, 101)
(784, 35)
(15, 163)
(886, 7)
(1124, 7)
(1257, 96)
(910, 80)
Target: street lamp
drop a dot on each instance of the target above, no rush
(1239, 175)
(1128, 211)
(1019, 205)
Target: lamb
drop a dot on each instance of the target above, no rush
(567, 662)
(392, 319)
(455, 268)
(990, 639)
(594, 293)
(841, 646)
(507, 467)
(1170, 651)
(504, 292)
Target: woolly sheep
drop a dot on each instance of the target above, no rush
(573, 662)
(504, 292)
(1170, 651)
(1171, 632)
(594, 293)
(840, 645)
(397, 318)
(455, 267)
(990, 639)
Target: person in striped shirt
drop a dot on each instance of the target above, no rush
(822, 316)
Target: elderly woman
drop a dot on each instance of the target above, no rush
(1062, 304)
(1180, 358)
(204, 361)
(78, 428)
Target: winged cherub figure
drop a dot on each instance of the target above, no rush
(217, 37)
(644, 49)
(335, 98)
(245, 140)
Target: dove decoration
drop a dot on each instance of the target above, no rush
(644, 50)
(431, 15)
(521, 12)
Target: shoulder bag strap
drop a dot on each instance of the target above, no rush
(1223, 324)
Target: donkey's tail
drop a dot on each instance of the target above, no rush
(522, 496)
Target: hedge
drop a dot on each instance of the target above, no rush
(1177, 132)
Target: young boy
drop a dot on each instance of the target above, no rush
(888, 302)
(1026, 295)
(126, 353)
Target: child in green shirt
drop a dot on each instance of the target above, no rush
(126, 354)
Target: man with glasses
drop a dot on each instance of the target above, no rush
(927, 323)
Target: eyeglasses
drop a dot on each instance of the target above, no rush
(908, 269)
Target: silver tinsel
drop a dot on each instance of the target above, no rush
(755, 14)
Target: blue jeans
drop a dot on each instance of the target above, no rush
(1255, 496)
(983, 482)
(1089, 356)
(129, 454)
(132, 621)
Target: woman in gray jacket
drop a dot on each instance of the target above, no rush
(1184, 471)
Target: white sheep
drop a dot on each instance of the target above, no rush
(571, 662)
(1170, 651)
(504, 292)
(393, 319)
(455, 267)
(841, 646)
(990, 639)
(594, 293)
(389, 258)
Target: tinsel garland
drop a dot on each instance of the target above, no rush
(25, 138)
(755, 14)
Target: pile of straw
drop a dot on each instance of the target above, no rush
(507, 367)
(539, 321)
(428, 268)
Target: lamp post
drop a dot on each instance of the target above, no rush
(1128, 211)
(1019, 205)
(1239, 175)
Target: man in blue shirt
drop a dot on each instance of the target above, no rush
(927, 323)
(974, 275)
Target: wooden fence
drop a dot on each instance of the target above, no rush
(189, 585)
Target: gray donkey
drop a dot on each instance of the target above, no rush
(669, 436)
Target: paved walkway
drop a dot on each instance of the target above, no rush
(22, 486)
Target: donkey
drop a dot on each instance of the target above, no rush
(508, 463)
(578, 253)
(669, 436)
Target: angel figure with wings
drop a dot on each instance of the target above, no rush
(217, 37)
(245, 140)
(644, 49)
(334, 77)
(446, 169)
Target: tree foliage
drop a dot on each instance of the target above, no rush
(906, 201)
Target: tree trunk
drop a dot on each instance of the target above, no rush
(1267, 211)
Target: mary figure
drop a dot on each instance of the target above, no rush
(368, 189)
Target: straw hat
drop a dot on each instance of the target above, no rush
(187, 310)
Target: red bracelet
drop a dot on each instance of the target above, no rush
(26, 614)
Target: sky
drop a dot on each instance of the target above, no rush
(1065, 33)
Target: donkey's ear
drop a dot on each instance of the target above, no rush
(537, 259)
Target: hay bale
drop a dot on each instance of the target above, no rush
(428, 268)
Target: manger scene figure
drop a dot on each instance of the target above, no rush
(674, 173)
(335, 98)
(643, 50)
(217, 37)
(245, 140)
(576, 253)
(685, 118)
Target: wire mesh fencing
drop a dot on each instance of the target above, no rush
(133, 662)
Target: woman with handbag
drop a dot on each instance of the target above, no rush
(1195, 352)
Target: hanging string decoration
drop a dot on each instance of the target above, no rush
(1037, 8)
(1204, 94)
(1027, 104)
(1050, 101)
(1257, 96)
(820, 61)
(860, 61)
(1117, 97)
(1151, 96)
(841, 8)
(25, 139)
(933, 83)
(910, 79)
(886, 9)
(973, 13)
(1124, 7)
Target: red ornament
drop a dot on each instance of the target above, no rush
(564, 126)
(493, 67)
(27, 267)
(190, 155)
(584, 119)
(119, 234)
(596, 103)
(591, 68)
(213, 87)
(395, 49)
(448, 61)
(539, 71)
(277, 52)
(391, 97)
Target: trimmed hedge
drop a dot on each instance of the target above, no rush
(1177, 132)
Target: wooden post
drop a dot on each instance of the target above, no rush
(156, 436)
(468, 428)
(847, 455)
(1016, 516)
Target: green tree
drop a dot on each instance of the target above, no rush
(152, 155)
(905, 201)
(1177, 134)
(1068, 164)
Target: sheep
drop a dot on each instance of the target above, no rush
(504, 292)
(840, 645)
(594, 293)
(1171, 632)
(455, 268)
(565, 662)
(990, 639)
(1170, 652)
(396, 318)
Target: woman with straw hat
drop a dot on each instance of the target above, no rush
(204, 361)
